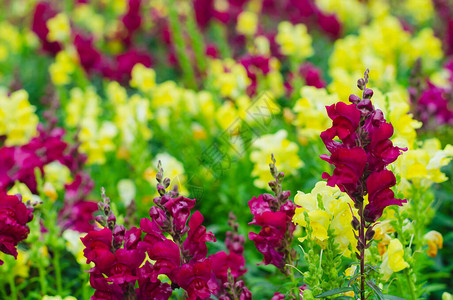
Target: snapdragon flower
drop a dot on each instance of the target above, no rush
(14, 216)
(360, 157)
(274, 215)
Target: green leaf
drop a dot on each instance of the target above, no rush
(390, 297)
(334, 292)
(376, 289)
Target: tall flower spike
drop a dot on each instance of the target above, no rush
(360, 159)
(274, 214)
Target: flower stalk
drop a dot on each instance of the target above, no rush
(360, 160)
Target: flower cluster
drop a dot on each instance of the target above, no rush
(365, 150)
(274, 215)
(14, 216)
(327, 209)
(169, 248)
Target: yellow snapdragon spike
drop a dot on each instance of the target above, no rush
(311, 119)
(262, 45)
(62, 68)
(143, 78)
(18, 120)
(283, 149)
(10, 37)
(294, 40)
(350, 12)
(247, 23)
(435, 241)
(423, 166)
(228, 77)
(385, 47)
(85, 15)
(59, 28)
(396, 106)
(393, 259)
(420, 10)
(327, 208)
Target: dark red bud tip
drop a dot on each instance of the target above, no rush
(369, 234)
(367, 94)
(272, 183)
(354, 99)
(355, 223)
(111, 218)
(100, 220)
(361, 83)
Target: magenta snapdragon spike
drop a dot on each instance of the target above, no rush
(14, 216)
(362, 154)
(183, 261)
(360, 157)
(117, 257)
(274, 214)
(229, 267)
(20, 162)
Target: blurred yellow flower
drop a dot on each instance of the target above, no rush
(294, 40)
(228, 77)
(435, 241)
(311, 118)
(143, 78)
(62, 68)
(393, 260)
(18, 120)
(247, 23)
(285, 151)
(59, 28)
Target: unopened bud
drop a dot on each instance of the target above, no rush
(161, 189)
(355, 223)
(101, 220)
(272, 183)
(369, 234)
(367, 94)
(106, 209)
(239, 285)
(361, 83)
(111, 219)
(354, 99)
(167, 182)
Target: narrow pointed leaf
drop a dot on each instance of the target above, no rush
(376, 289)
(334, 292)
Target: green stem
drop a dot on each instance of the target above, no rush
(183, 59)
(410, 284)
(361, 243)
(196, 39)
(42, 279)
(221, 39)
(56, 263)
(12, 286)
